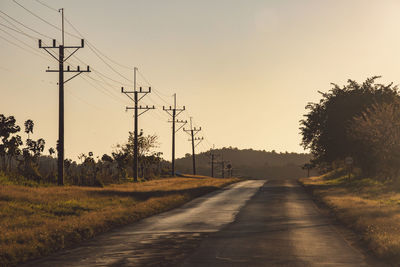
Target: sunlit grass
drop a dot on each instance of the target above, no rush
(368, 206)
(36, 221)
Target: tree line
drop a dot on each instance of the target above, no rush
(26, 159)
(248, 163)
(357, 120)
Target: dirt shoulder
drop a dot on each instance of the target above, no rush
(37, 221)
(370, 208)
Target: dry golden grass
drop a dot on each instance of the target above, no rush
(370, 208)
(35, 221)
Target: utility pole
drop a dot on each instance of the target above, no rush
(192, 132)
(61, 59)
(174, 112)
(222, 162)
(212, 160)
(136, 109)
(229, 168)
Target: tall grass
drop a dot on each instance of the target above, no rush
(36, 221)
(368, 206)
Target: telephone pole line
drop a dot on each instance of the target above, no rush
(136, 109)
(192, 132)
(174, 112)
(61, 59)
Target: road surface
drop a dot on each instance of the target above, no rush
(252, 223)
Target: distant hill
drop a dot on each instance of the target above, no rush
(248, 163)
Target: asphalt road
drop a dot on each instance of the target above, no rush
(160, 240)
(281, 226)
(252, 223)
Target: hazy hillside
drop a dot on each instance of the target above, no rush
(248, 163)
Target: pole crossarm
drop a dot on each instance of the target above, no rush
(199, 139)
(171, 109)
(78, 71)
(145, 109)
(183, 124)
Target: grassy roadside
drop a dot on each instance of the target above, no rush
(370, 208)
(36, 221)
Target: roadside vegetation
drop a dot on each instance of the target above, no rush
(29, 162)
(353, 133)
(38, 220)
(368, 206)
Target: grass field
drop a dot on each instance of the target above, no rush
(369, 207)
(36, 221)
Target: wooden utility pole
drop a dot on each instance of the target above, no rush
(174, 112)
(136, 109)
(212, 156)
(61, 59)
(192, 132)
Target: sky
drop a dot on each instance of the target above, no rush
(243, 69)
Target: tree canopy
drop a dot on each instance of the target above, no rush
(325, 127)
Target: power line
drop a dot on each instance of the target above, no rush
(97, 53)
(49, 7)
(15, 38)
(18, 31)
(22, 24)
(91, 47)
(83, 100)
(37, 16)
(23, 48)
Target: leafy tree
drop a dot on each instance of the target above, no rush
(146, 144)
(7, 128)
(325, 126)
(31, 154)
(12, 148)
(376, 132)
(121, 159)
(106, 158)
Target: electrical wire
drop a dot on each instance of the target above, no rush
(91, 47)
(49, 7)
(23, 48)
(22, 24)
(95, 50)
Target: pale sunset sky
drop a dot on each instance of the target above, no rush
(244, 69)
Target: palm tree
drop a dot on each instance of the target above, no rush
(29, 127)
